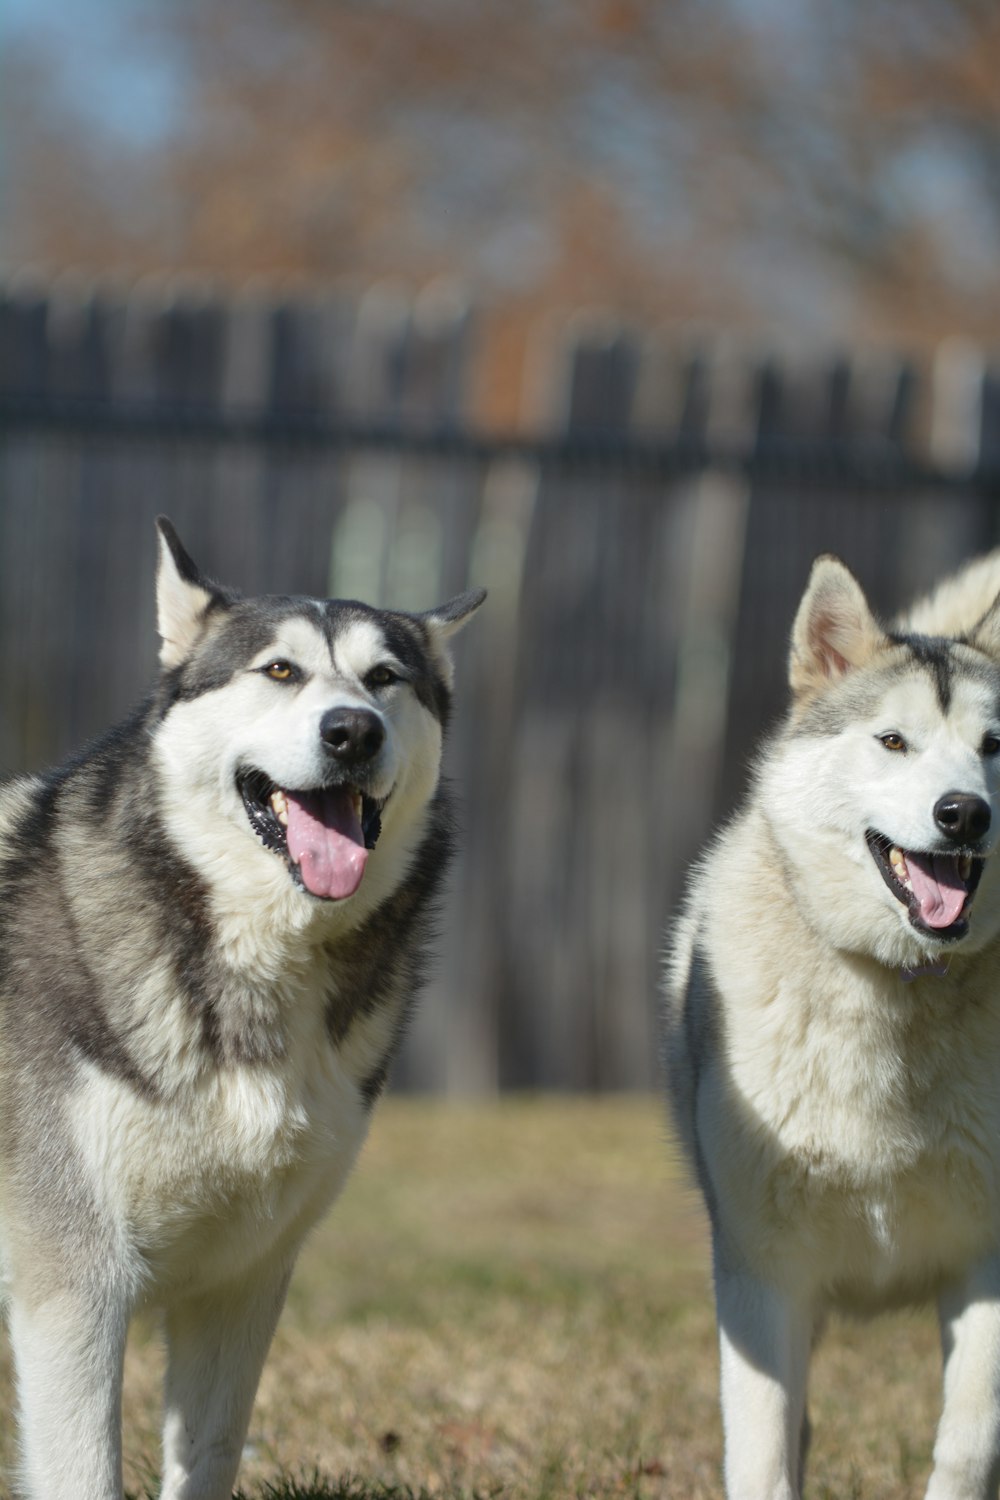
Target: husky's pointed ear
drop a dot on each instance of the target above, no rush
(447, 620)
(183, 597)
(960, 606)
(986, 634)
(834, 630)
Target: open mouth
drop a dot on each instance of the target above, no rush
(936, 889)
(324, 835)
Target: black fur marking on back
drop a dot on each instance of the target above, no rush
(382, 964)
(933, 653)
(65, 1004)
(114, 787)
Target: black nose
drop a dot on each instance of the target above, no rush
(962, 816)
(352, 735)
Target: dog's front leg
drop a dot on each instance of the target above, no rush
(216, 1346)
(967, 1450)
(69, 1350)
(764, 1343)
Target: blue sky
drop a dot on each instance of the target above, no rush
(114, 79)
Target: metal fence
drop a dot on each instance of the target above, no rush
(645, 538)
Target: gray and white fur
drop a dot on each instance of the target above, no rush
(833, 1023)
(211, 927)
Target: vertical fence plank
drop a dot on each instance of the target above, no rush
(360, 545)
(229, 534)
(306, 485)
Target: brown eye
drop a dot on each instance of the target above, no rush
(893, 741)
(381, 677)
(991, 745)
(279, 671)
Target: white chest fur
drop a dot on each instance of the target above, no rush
(231, 1168)
(851, 1125)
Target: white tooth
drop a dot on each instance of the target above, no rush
(898, 862)
(357, 803)
(965, 867)
(279, 806)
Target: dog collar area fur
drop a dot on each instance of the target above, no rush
(938, 968)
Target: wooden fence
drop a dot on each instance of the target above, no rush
(645, 538)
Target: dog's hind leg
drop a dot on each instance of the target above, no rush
(967, 1449)
(216, 1346)
(69, 1350)
(764, 1341)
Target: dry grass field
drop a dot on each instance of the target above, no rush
(512, 1299)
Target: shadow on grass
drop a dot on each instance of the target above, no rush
(353, 1487)
(349, 1487)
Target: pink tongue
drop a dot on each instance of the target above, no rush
(326, 842)
(938, 887)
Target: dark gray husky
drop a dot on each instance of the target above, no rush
(211, 926)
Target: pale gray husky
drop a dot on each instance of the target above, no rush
(211, 926)
(833, 1023)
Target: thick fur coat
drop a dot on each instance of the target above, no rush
(833, 1023)
(211, 927)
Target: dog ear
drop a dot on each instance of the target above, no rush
(183, 597)
(449, 618)
(960, 606)
(986, 634)
(446, 621)
(834, 630)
